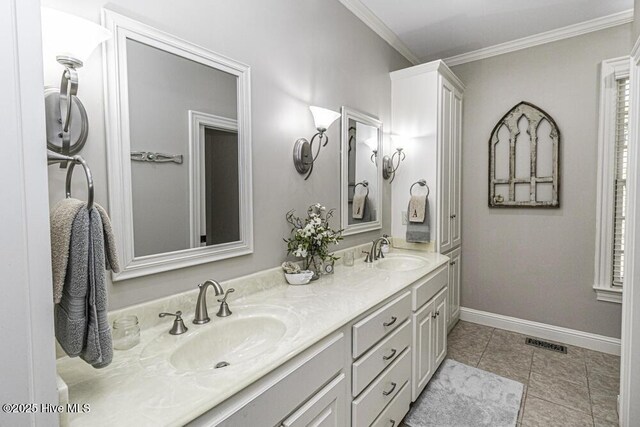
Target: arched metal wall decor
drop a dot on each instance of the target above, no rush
(512, 189)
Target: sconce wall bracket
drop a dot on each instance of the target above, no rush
(303, 157)
(391, 164)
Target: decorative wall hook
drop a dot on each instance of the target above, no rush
(303, 156)
(391, 164)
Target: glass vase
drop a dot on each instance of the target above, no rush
(313, 263)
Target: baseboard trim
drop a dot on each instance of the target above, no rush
(542, 330)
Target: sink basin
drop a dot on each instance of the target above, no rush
(401, 263)
(248, 333)
(232, 342)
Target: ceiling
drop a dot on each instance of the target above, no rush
(434, 29)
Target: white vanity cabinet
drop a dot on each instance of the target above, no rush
(429, 320)
(365, 374)
(426, 109)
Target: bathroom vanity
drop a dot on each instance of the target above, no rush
(353, 348)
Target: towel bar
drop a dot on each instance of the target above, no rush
(421, 183)
(365, 184)
(53, 157)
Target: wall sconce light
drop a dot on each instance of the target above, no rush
(70, 40)
(303, 157)
(372, 143)
(391, 164)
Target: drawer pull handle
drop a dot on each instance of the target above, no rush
(388, 392)
(391, 322)
(393, 423)
(390, 356)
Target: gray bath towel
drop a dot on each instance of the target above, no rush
(61, 218)
(419, 232)
(81, 322)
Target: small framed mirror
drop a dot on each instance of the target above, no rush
(361, 177)
(179, 152)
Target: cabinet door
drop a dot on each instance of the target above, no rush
(325, 409)
(455, 169)
(440, 327)
(444, 174)
(423, 350)
(454, 288)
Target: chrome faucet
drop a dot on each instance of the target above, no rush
(202, 316)
(373, 255)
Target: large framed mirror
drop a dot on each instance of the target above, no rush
(179, 150)
(361, 177)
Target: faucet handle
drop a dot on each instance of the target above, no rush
(368, 257)
(224, 307)
(178, 327)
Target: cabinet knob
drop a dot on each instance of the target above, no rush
(452, 263)
(391, 322)
(433, 316)
(388, 392)
(452, 216)
(438, 313)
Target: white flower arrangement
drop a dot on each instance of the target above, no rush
(311, 236)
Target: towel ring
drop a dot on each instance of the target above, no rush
(365, 184)
(79, 160)
(421, 183)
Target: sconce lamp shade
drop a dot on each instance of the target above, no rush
(323, 118)
(69, 36)
(372, 142)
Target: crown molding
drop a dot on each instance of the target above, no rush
(597, 24)
(372, 21)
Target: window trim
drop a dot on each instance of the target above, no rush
(611, 70)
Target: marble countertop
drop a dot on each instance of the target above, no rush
(140, 390)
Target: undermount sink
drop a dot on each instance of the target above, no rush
(248, 333)
(401, 263)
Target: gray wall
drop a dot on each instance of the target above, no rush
(538, 264)
(301, 53)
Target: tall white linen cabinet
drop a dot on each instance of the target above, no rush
(426, 122)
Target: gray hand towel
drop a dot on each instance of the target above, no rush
(62, 217)
(419, 232)
(81, 322)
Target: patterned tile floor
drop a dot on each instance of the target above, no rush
(579, 388)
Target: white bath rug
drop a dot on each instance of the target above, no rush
(459, 395)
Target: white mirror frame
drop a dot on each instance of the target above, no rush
(348, 229)
(119, 147)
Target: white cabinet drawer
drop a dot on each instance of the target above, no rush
(397, 409)
(374, 327)
(326, 408)
(428, 287)
(379, 357)
(377, 396)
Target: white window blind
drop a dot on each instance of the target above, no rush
(620, 182)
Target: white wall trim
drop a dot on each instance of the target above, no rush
(372, 21)
(542, 330)
(198, 121)
(629, 411)
(27, 366)
(569, 31)
(610, 71)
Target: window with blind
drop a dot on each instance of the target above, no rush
(613, 139)
(620, 180)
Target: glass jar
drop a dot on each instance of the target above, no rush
(126, 332)
(349, 258)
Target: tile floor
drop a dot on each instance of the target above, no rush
(579, 388)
